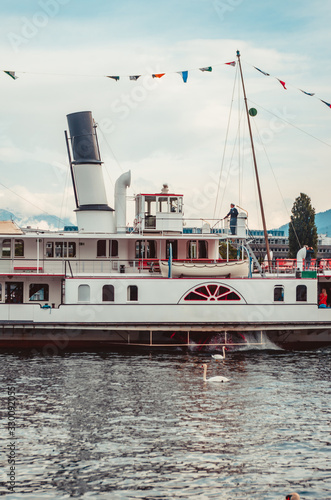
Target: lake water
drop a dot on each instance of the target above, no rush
(146, 426)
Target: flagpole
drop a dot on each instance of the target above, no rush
(255, 165)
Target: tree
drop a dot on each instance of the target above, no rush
(302, 229)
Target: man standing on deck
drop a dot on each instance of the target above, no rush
(233, 214)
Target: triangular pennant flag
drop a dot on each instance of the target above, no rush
(233, 63)
(207, 68)
(114, 77)
(11, 74)
(263, 72)
(307, 93)
(184, 75)
(329, 105)
(281, 82)
(158, 75)
(134, 77)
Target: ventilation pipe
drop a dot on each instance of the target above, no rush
(300, 256)
(121, 184)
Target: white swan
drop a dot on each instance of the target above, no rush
(218, 378)
(219, 356)
(292, 496)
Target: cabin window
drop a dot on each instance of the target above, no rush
(108, 294)
(65, 249)
(114, 248)
(203, 249)
(84, 293)
(146, 249)
(301, 293)
(174, 246)
(49, 249)
(192, 252)
(0, 292)
(71, 249)
(212, 293)
(132, 292)
(19, 248)
(6, 248)
(102, 248)
(14, 292)
(279, 293)
(38, 291)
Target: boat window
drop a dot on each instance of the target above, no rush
(173, 205)
(163, 204)
(192, 250)
(132, 292)
(203, 249)
(108, 294)
(301, 293)
(84, 293)
(71, 249)
(146, 249)
(279, 293)
(180, 205)
(114, 248)
(65, 249)
(212, 292)
(38, 291)
(49, 249)
(174, 248)
(102, 248)
(0, 292)
(6, 246)
(14, 292)
(19, 248)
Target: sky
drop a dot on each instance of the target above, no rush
(190, 135)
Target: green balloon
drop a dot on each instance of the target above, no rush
(252, 112)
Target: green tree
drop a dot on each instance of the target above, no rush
(302, 229)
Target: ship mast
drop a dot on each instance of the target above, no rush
(255, 165)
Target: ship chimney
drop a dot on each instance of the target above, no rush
(93, 213)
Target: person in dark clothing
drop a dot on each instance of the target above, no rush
(233, 214)
(309, 254)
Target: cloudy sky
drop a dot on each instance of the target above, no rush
(191, 135)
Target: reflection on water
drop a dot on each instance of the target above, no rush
(129, 426)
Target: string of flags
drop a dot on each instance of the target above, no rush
(311, 94)
(184, 75)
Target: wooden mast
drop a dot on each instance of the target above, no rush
(255, 165)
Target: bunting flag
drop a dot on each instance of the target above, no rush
(11, 74)
(207, 68)
(158, 75)
(263, 72)
(282, 83)
(184, 75)
(233, 63)
(329, 105)
(114, 77)
(307, 93)
(134, 77)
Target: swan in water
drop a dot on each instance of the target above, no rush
(218, 378)
(219, 356)
(292, 496)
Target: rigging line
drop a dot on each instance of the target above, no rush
(231, 159)
(275, 178)
(30, 202)
(226, 139)
(64, 195)
(292, 124)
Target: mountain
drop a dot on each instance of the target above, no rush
(45, 221)
(322, 221)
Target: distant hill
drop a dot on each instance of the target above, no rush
(35, 220)
(322, 221)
